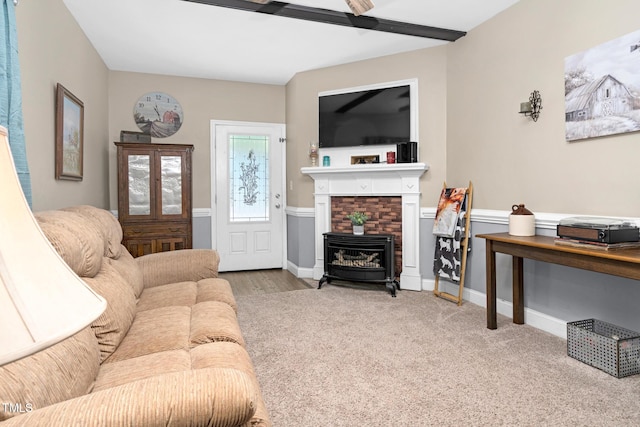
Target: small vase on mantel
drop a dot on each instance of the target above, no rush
(358, 230)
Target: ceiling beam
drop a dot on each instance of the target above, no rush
(326, 16)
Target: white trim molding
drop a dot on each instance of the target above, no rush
(544, 220)
(300, 212)
(201, 213)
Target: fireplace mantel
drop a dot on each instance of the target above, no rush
(400, 179)
(379, 170)
(370, 167)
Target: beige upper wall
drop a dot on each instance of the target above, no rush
(470, 92)
(53, 49)
(202, 100)
(428, 66)
(510, 158)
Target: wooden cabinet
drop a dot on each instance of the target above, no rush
(154, 196)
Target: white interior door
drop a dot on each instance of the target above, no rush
(248, 194)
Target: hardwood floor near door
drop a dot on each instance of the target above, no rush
(263, 281)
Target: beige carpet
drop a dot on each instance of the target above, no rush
(351, 356)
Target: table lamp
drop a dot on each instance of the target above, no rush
(42, 301)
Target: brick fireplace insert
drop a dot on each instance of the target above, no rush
(360, 258)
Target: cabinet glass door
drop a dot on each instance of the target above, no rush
(139, 168)
(171, 184)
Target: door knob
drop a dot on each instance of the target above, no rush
(278, 196)
(277, 205)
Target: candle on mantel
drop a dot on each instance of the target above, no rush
(313, 153)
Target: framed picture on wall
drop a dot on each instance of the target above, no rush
(602, 88)
(69, 135)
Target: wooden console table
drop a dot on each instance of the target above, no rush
(619, 262)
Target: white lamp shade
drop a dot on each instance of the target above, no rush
(42, 301)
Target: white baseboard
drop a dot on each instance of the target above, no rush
(533, 318)
(300, 272)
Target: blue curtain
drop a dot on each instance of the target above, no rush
(11, 94)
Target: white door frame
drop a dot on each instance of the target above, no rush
(213, 175)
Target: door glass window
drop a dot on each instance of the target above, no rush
(171, 181)
(248, 178)
(139, 185)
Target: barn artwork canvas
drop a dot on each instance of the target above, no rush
(602, 89)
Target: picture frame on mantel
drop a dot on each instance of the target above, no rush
(357, 160)
(69, 135)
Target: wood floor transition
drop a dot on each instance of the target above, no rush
(263, 281)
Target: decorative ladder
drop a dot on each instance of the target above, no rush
(463, 240)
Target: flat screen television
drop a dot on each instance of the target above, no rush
(376, 116)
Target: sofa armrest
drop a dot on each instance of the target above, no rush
(178, 266)
(203, 397)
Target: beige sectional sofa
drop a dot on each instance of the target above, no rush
(168, 350)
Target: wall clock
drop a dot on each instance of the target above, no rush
(158, 114)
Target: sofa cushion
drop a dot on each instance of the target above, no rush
(108, 225)
(221, 355)
(213, 321)
(215, 289)
(61, 372)
(153, 331)
(112, 325)
(126, 265)
(174, 294)
(76, 240)
(163, 268)
(233, 356)
(187, 294)
(138, 368)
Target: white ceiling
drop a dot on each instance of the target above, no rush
(180, 38)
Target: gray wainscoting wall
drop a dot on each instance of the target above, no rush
(301, 241)
(202, 230)
(554, 294)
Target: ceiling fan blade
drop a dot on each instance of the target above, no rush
(358, 7)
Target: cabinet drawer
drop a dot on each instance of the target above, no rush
(144, 246)
(158, 229)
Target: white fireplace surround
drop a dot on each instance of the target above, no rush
(400, 179)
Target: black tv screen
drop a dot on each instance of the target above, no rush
(368, 117)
